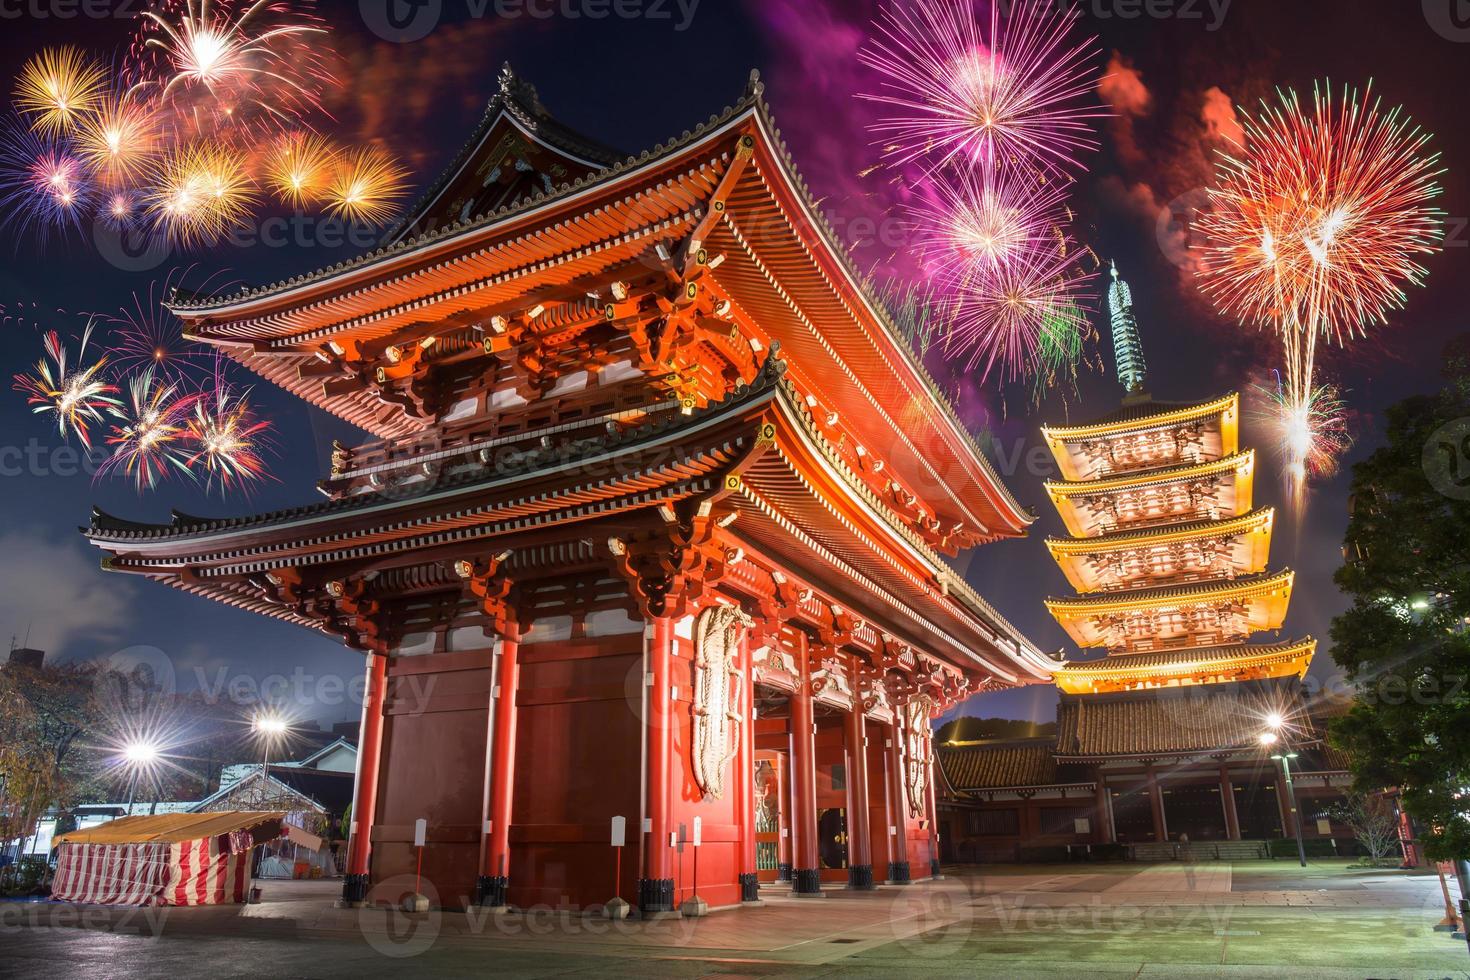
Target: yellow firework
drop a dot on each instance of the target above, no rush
(58, 87)
(118, 140)
(300, 168)
(200, 192)
(366, 185)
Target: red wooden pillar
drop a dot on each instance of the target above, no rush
(859, 841)
(1227, 795)
(745, 779)
(1156, 801)
(365, 783)
(1283, 802)
(656, 887)
(806, 875)
(898, 856)
(495, 875)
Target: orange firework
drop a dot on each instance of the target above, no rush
(366, 185)
(299, 169)
(57, 87)
(1319, 222)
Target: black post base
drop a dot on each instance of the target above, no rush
(807, 881)
(655, 895)
(750, 888)
(355, 888)
(898, 872)
(934, 871)
(860, 877)
(783, 872)
(490, 891)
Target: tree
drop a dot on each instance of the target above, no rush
(1373, 821)
(1403, 642)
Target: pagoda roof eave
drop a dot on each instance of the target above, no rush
(1162, 534)
(1175, 594)
(1119, 671)
(846, 287)
(1136, 419)
(1244, 460)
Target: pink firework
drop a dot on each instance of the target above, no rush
(232, 68)
(149, 338)
(148, 444)
(42, 183)
(976, 218)
(1001, 314)
(1016, 91)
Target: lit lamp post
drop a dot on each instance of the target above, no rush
(1284, 756)
(139, 757)
(270, 729)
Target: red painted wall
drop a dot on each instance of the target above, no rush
(433, 767)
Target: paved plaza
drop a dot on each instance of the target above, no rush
(1250, 919)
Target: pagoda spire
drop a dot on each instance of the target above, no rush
(1127, 346)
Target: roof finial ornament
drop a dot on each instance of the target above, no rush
(1127, 345)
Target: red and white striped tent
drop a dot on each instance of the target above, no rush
(167, 859)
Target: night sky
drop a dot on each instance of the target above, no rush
(633, 83)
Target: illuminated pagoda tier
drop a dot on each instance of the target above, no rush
(653, 522)
(1159, 736)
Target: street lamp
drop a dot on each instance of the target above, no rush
(138, 756)
(270, 728)
(1269, 739)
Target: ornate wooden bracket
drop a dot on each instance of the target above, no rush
(342, 607)
(485, 579)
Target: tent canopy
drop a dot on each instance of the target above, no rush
(174, 828)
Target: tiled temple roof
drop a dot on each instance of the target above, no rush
(1002, 763)
(1202, 719)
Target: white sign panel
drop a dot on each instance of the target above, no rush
(619, 831)
(420, 831)
(698, 830)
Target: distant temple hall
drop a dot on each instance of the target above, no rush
(652, 527)
(1159, 740)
